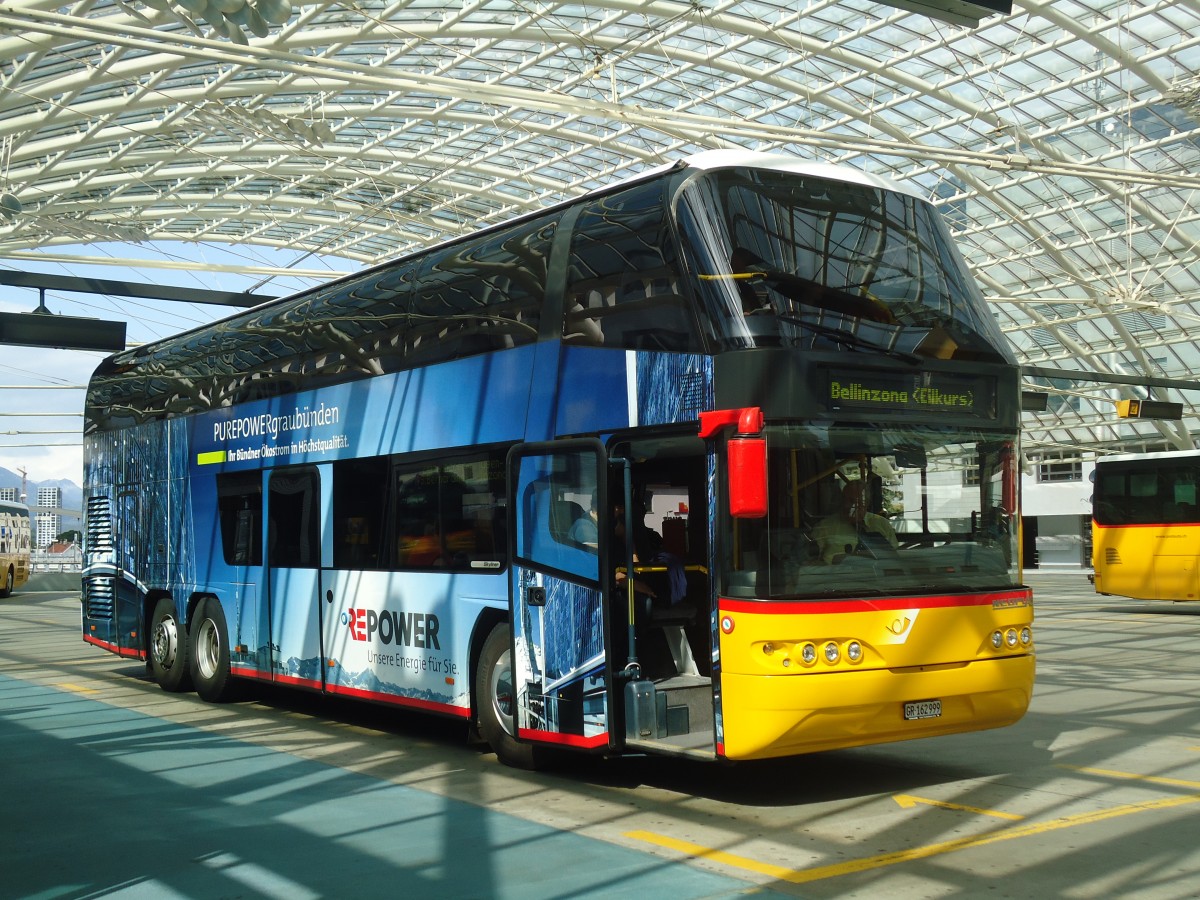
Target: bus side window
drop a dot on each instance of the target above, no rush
(449, 514)
(239, 508)
(358, 513)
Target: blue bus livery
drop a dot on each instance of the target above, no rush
(564, 478)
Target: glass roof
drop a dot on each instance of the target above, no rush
(1062, 142)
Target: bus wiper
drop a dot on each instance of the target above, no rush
(849, 339)
(812, 293)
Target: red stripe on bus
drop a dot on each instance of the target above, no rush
(565, 740)
(1148, 525)
(297, 682)
(817, 607)
(428, 705)
(243, 672)
(113, 648)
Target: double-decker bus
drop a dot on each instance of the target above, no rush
(15, 543)
(719, 461)
(1146, 525)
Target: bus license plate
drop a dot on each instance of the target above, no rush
(923, 709)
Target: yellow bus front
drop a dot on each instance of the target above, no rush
(801, 677)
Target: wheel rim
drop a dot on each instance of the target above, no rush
(208, 649)
(9, 581)
(502, 691)
(166, 642)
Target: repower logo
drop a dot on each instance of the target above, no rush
(404, 629)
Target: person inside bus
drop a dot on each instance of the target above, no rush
(660, 615)
(838, 534)
(585, 529)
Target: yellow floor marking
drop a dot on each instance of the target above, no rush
(803, 876)
(908, 801)
(67, 686)
(1152, 779)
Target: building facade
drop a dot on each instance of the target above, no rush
(48, 523)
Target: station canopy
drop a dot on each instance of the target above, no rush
(1060, 140)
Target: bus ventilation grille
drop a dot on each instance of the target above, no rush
(1111, 556)
(692, 393)
(98, 597)
(99, 525)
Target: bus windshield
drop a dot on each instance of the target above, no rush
(869, 511)
(786, 259)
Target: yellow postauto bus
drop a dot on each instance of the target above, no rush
(1146, 525)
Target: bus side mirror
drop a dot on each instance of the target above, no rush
(747, 477)
(746, 453)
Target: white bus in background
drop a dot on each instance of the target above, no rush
(15, 541)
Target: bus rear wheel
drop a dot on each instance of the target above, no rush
(495, 698)
(168, 648)
(210, 651)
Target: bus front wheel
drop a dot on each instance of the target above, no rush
(168, 648)
(9, 580)
(210, 651)
(495, 696)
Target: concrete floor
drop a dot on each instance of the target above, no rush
(111, 787)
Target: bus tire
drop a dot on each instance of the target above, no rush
(168, 648)
(494, 699)
(210, 651)
(10, 579)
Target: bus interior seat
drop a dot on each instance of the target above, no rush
(563, 514)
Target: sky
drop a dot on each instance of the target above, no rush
(41, 390)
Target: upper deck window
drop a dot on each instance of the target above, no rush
(796, 260)
(480, 295)
(624, 287)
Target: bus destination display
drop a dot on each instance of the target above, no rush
(883, 391)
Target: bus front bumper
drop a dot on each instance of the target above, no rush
(768, 716)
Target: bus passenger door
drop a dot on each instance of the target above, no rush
(294, 551)
(561, 675)
(129, 586)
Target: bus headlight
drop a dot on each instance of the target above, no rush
(832, 653)
(854, 651)
(997, 640)
(1026, 636)
(808, 654)
(1010, 637)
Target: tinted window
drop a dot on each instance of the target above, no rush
(293, 532)
(359, 513)
(450, 514)
(239, 507)
(1150, 492)
(480, 296)
(624, 287)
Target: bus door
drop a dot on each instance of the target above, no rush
(295, 513)
(129, 589)
(562, 674)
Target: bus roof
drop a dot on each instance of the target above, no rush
(706, 161)
(749, 159)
